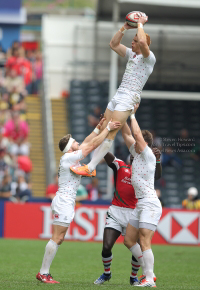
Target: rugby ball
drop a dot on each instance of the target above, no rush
(132, 17)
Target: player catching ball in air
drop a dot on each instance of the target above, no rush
(123, 203)
(64, 202)
(138, 69)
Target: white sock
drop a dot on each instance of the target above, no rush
(100, 153)
(137, 253)
(149, 262)
(50, 252)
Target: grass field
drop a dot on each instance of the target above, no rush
(78, 264)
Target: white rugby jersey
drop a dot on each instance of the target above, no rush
(68, 182)
(137, 72)
(143, 172)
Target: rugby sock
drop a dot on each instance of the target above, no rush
(135, 267)
(149, 262)
(107, 263)
(100, 153)
(137, 253)
(50, 252)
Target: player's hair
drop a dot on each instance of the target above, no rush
(148, 39)
(148, 137)
(64, 141)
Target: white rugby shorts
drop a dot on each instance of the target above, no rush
(148, 210)
(117, 218)
(63, 210)
(123, 102)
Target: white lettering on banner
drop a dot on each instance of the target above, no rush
(85, 224)
(101, 213)
(47, 222)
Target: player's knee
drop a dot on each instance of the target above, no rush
(127, 242)
(106, 249)
(145, 243)
(58, 239)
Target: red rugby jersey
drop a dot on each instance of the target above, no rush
(124, 195)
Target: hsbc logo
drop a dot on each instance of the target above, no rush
(180, 227)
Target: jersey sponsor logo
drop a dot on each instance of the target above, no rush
(126, 180)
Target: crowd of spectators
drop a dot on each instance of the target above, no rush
(20, 75)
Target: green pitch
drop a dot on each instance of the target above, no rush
(78, 264)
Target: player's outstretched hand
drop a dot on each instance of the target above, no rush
(127, 26)
(102, 119)
(143, 19)
(113, 125)
(157, 153)
(135, 108)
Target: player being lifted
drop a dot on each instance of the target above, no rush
(138, 69)
(68, 183)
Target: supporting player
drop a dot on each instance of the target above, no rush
(64, 202)
(124, 201)
(138, 69)
(146, 215)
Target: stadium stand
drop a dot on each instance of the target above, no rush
(166, 117)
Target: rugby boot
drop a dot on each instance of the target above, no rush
(83, 170)
(103, 278)
(46, 278)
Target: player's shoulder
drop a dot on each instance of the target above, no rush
(151, 58)
(148, 152)
(121, 163)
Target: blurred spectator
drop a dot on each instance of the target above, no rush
(81, 193)
(2, 54)
(5, 187)
(52, 188)
(169, 158)
(21, 190)
(14, 83)
(196, 152)
(17, 131)
(184, 143)
(93, 119)
(3, 164)
(37, 70)
(157, 141)
(192, 202)
(93, 190)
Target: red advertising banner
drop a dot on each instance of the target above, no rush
(34, 221)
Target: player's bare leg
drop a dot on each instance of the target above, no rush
(103, 149)
(59, 233)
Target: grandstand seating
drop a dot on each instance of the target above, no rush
(34, 118)
(165, 117)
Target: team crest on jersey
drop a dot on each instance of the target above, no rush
(126, 170)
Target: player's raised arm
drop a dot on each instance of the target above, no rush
(158, 172)
(96, 131)
(127, 135)
(109, 158)
(142, 37)
(115, 41)
(95, 142)
(136, 131)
